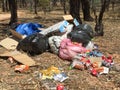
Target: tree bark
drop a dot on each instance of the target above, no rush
(75, 9)
(3, 6)
(63, 4)
(13, 11)
(6, 5)
(35, 6)
(64, 7)
(85, 8)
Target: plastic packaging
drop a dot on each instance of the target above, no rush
(90, 46)
(21, 68)
(107, 61)
(50, 72)
(96, 53)
(78, 65)
(60, 77)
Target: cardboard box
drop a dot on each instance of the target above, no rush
(19, 57)
(68, 17)
(9, 43)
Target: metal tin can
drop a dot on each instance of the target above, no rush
(60, 87)
(21, 68)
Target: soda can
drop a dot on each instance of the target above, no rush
(60, 87)
(21, 68)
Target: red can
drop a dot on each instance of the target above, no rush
(21, 68)
(60, 87)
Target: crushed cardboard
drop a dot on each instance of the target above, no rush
(20, 57)
(9, 43)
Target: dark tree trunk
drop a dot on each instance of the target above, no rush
(107, 3)
(75, 9)
(24, 3)
(35, 6)
(64, 7)
(113, 4)
(63, 4)
(13, 11)
(3, 6)
(6, 5)
(86, 9)
(54, 2)
(103, 7)
(20, 4)
(99, 27)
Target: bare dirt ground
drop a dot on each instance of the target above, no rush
(78, 80)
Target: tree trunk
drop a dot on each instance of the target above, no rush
(64, 6)
(35, 6)
(54, 2)
(6, 5)
(85, 8)
(13, 11)
(3, 6)
(75, 9)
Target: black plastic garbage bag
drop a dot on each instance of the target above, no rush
(34, 44)
(82, 33)
(79, 36)
(86, 28)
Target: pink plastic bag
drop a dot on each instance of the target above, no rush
(68, 49)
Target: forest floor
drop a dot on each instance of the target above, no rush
(109, 44)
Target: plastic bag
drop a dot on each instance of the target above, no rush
(68, 49)
(34, 44)
(82, 33)
(28, 28)
(86, 28)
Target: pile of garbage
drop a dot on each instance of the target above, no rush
(69, 40)
(96, 65)
(58, 37)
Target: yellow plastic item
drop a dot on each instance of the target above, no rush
(50, 72)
